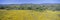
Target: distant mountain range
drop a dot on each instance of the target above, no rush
(46, 4)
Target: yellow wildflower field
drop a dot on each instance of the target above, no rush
(29, 15)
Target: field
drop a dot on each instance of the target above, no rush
(29, 15)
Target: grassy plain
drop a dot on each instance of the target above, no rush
(29, 15)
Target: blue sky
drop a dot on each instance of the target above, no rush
(28, 1)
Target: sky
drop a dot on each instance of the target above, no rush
(28, 1)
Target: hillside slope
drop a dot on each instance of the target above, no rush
(29, 15)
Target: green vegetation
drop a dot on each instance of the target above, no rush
(38, 7)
